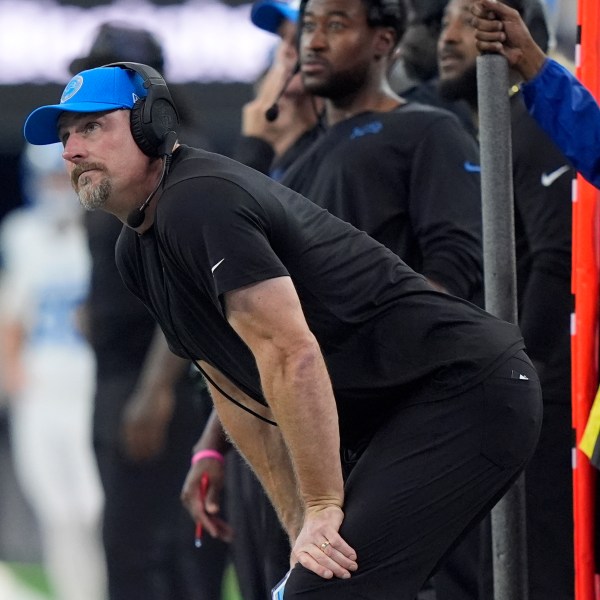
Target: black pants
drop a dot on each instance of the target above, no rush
(429, 474)
(148, 535)
(467, 574)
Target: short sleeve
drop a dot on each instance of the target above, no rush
(216, 228)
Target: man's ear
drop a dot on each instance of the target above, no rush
(385, 42)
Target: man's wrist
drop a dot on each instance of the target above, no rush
(533, 64)
(207, 453)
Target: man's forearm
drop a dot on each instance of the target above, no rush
(300, 395)
(213, 437)
(263, 448)
(294, 379)
(161, 367)
(569, 114)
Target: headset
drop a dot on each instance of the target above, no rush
(272, 112)
(154, 117)
(388, 13)
(154, 126)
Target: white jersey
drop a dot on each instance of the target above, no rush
(46, 270)
(45, 279)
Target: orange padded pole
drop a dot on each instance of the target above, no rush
(585, 322)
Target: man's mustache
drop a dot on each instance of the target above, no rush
(82, 168)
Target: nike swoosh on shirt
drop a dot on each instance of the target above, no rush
(549, 178)
(472, 167)
(217, 265)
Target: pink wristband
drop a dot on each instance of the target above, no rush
(208, 454)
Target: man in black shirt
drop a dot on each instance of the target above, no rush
(144, 418)
(405, 173)
(281, 122)
(542, 179)
(402, 413)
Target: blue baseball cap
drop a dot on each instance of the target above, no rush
(268, 14)
(95, 90)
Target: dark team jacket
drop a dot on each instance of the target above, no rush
(386, 335)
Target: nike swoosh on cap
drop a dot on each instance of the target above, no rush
(549, 178)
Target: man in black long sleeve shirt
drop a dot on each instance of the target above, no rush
(542, 180)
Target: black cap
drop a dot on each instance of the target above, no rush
(117, 42)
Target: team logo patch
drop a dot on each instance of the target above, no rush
(369, 128)
(72, 88)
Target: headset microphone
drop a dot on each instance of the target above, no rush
(272, 112)
(136, 217)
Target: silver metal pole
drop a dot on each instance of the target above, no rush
(508, 516)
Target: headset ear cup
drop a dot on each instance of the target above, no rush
(139, 131)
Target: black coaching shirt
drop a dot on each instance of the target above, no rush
(386, 335)
(410, 178)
